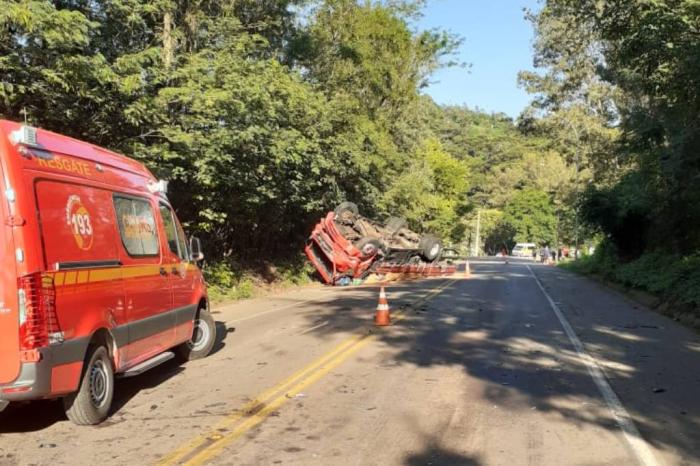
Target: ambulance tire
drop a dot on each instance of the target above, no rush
(203, 338)
(90, 405)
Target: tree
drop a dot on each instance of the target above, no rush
(633, 65)
(432, 194)
(49, 72)
(531, 216)
(258, 134)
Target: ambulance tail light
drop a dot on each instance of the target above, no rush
(38, 323)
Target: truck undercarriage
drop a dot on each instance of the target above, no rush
(345, 245)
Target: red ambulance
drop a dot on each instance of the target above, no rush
(97, 277)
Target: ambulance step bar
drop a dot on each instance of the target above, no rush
(148, 364)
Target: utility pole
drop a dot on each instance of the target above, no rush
(576, 208)
(478, 228)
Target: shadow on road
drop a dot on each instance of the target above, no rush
(38, 415)
(437, 456)
(222, 332)
(498, 327)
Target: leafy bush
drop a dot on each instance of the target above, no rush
(226, 282)
(296, 273)
(531, 215)
(623, 212)
(229, 281)
(668, 276)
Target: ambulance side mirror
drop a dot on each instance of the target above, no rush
(196, 250)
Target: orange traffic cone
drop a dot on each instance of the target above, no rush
(467, 270)
(381, 318)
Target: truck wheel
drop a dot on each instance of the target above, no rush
(430, 247)
(394, 224)
(368, 247)
(346, 211)
(91, 403)
(203, 338)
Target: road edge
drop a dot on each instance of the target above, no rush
(629, 429)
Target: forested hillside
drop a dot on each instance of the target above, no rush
(265, 114)
(622, 78)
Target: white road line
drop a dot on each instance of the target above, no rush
(624, 421)
(310, 329)
(318, 299)
(260, 314)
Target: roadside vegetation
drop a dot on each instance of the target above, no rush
(623, 76)
(673, 279)
(266, 114)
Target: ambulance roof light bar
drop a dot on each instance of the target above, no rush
(24, 135)
(158, 187)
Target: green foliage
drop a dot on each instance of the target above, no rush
(497, 234)
(623, 212)
(623, 77)
(263, 179)
(432, 192)
(368, 52)
(228, 283)
(263, 115)
(603, 262)
(294, 272)
(531, 216)
(672, 277)
(504, 159)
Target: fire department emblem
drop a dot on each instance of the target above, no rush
(79, 221)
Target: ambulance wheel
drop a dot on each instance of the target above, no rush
(91, 403)
(203, 338)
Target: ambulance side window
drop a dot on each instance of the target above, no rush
(176, 239)
(137, 226)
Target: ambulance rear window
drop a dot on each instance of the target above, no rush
(137, 226)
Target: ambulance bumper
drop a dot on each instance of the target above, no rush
(33, 382)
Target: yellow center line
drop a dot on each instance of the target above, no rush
(207, 446)
(204, 456)
(254, 405)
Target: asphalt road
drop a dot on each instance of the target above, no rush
(521, 364)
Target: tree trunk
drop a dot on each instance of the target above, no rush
(168, 40)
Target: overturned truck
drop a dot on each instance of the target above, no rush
(346, 245)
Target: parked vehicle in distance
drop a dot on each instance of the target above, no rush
(524, 250)
(96, 275)
(345, 244)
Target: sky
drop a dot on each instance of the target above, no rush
(497, 44)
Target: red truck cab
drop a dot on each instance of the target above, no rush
(97, 277)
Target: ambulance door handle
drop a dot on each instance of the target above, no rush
(163, 272)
